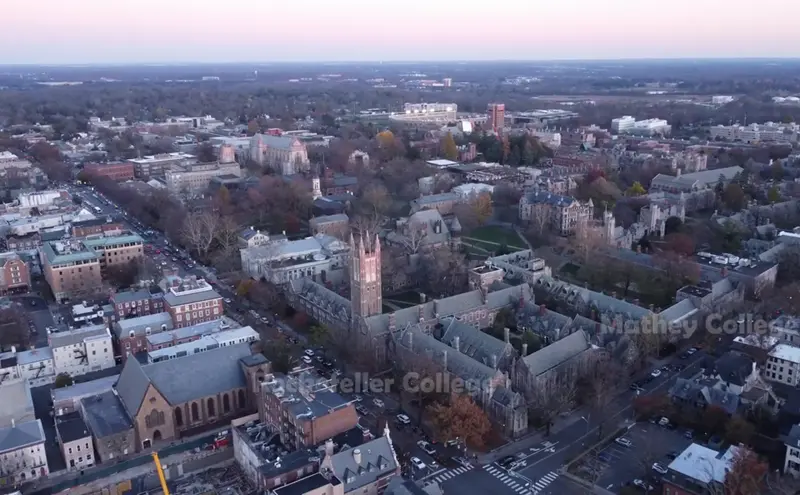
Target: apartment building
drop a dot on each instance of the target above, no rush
(111, 428)
(178, 336)
(194, 179)
(440, 113)
(15, 277)
(97, 226)
(303, 410)
(118, 172)
(191, 301)
(559, 214)
(754, 133)
(22, 454)
(75, 441)
(154, 166)
(116, 250)
(71, 269)
(36, 366)
(783, 365)
(285, 154)
(82, 350)
(496, 116)
(132, 333)
(138, 302)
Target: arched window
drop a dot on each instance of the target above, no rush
(195, 412)
(226, 404)
(156, 436)
(161, 417)
(242, 401)
(155, 418)
(178, 416)
(211, 411)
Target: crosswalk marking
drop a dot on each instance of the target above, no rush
(516, 485)
(451, 473)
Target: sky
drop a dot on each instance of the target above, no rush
(163, 31)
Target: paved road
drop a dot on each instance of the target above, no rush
(544, 458)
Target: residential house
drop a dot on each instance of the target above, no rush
(783, 365)
(251, 237)
(68, 399)
(80, 351)
(15, 277)
(366, 469)
(110, 426)
(22, 453)
(131, 334)
(138, 302)
(76, 442)
(698, 470)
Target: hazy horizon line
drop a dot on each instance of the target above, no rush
(400, 61)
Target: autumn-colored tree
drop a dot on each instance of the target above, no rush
(448, 148)
(680, 243)
(773, 195)
(714, 420)
(481, 205)
(651, 405)
(243, 287)
(739, 431)
(253, 128)
(733, 196)
(746, 474)
(460, 419)
(636, 190)
(318, 335)
(385, 139)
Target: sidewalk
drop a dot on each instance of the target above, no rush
(530, 439)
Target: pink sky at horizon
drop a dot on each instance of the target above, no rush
(158, 31)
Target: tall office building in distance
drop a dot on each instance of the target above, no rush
(497, 116)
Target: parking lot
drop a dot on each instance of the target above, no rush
(613, 466)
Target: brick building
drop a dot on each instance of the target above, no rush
(140, 302)
(97, 226)
(15, 277)
(119, 172)
(167, 399)
(131, 333)
(304, 411)
(191, 300)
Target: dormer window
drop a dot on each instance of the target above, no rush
(131, 334)
(147, 331)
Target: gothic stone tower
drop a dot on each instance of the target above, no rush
(365, 277)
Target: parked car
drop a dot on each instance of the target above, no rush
(403, 419)
(307, 360)
(309, 352)
(691, 351)
(227, 300)
(655, 373)
(358, 398)
(663, 422)
(426, 447)
(623, 441)
(362, 410)
(644, 486)
(417, 463)
(659, 468)
(377, 402)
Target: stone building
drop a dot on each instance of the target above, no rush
(559, 214)
(167, 398)
(111, 428)
(286, 155)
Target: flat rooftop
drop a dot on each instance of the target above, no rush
(306, 485)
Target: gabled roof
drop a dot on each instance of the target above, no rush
(478, 345)
(556, 353)
(734, 367)
(377, 460)
(22, 435)
(183, 379)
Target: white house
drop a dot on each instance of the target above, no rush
(34, 365)
(80, 351)
(22, 454)
(783, 365)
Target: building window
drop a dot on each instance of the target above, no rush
(211, 411)
(195, 412)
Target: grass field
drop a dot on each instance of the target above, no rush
(498, 235)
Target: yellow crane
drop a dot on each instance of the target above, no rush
(160, 471)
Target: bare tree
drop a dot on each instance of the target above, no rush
(200, 230)
(587, 240)
(548, 403)
(413, 236)
(540, 217)
(601, 389)
(366, 222)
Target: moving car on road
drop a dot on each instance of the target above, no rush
(417, 463)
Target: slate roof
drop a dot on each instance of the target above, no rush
(478, 345)
(279, 142)
(21, 435)
(139, 324)
(435, 198)
(105, 415)
(556, 353)
(425, 221)
(323, 219)
(377, 461)
(459, 364)
(322, 297)
(71, 427)
(544, 197)
(734, 367)
(679, 311)
(183, 379)
(694, 392)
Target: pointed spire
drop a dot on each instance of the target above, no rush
(361, 243)
(352, 241)
(377, 246)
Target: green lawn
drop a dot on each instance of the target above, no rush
(498, 235)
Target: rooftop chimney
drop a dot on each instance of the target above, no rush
(457, 343)
(444, 360)
(494, 361)
(507, 335)
(357, 456)
(329, 447)
(524, 350)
